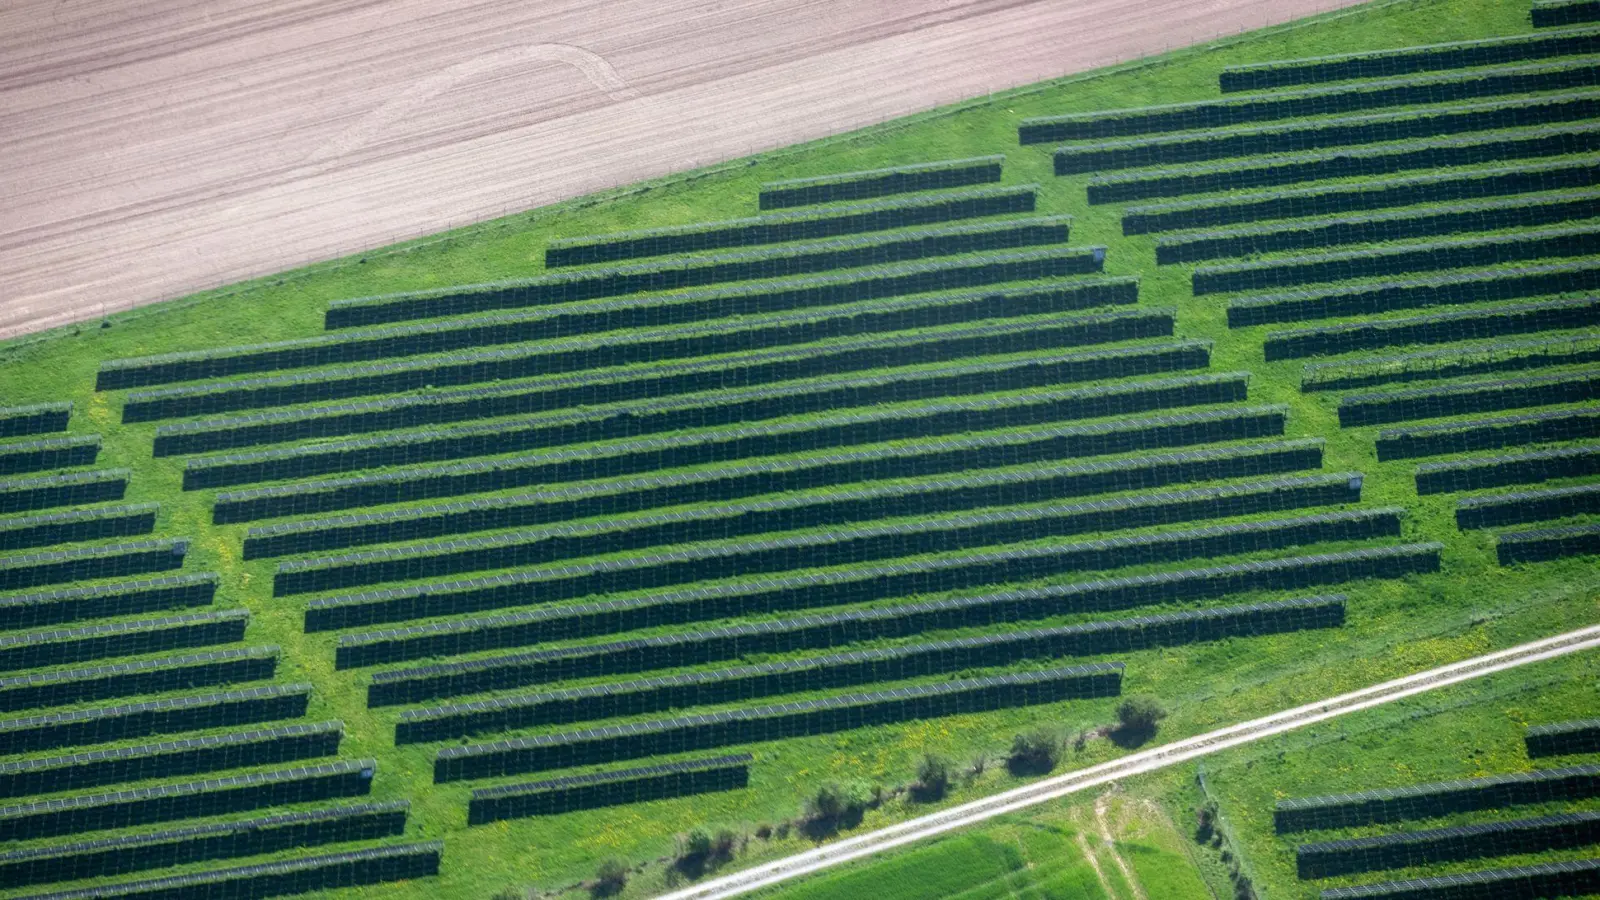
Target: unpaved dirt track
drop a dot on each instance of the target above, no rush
(151, 149)
(976, 811)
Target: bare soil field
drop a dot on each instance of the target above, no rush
(149, 150)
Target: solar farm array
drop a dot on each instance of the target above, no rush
(895, 447)
(1432, 265)
(133, 704)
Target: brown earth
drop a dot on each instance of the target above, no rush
(149, 150)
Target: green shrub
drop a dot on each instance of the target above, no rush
(610, 878)
(1138, 718)
(1035, 752)
(933, 777)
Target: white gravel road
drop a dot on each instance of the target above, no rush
(977, 811)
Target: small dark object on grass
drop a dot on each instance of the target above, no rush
(933, 779)
(694, 853)
(1137, 721)
(610, 878)
(1205, 823)
(836, 806)
(1035, 753)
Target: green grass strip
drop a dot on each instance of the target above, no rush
(1496, 215)
(1319, 134)
(857, 584)
(569, 286)
(1368, 194)
(1429, 365)
(372, 865)
(1042, 403)
(550, 584)
(1389, 260)
(1466, 397)
(778, 228)
(704, 688)
(641, 366)
(1451, 289)
(940, 492)
(1426, 58)
(1426, 801)
(1489, 434)
(578, 338)
(1388, 158)
(1450, 87)
(765, 723)
(947, 173)
(703, 398)
(1439, 328)
(1513, 468)
(987, 526)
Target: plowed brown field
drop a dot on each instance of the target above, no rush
(148, 150)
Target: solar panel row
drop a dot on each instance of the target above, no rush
(922, 444)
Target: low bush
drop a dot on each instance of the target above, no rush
(1035, 752)
(1138, 717)
(610, 878)
(933, 778)
(837, 804)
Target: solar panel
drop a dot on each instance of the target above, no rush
(701, 731)
(356, 867)
(236, 749)
(1559, 738)
(1582, 876)
(1436, 799)
(166, 802)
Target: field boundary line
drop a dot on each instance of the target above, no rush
(421, 239)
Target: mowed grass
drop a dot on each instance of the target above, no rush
(1395, 627)
(1464, 731)
(1112, 844)
(954, 867)
(1469, 730)
(1004, 861)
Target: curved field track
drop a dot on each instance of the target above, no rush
(148, 150)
